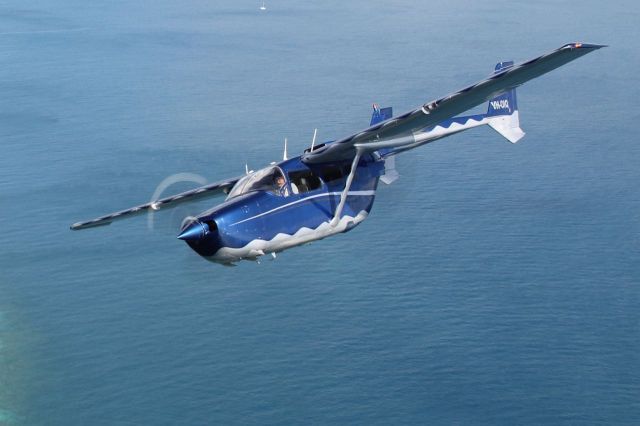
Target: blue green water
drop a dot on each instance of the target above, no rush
(492, 284)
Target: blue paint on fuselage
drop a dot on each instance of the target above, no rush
(265, 214)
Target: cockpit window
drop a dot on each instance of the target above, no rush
(269, 179)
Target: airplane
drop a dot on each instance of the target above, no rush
(330, 188)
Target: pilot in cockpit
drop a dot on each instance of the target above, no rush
(280, 186)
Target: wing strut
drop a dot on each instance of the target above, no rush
(347, 186)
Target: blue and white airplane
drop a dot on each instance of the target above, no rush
(330, 188)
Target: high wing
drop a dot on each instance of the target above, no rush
(210, 190)
(399, 131)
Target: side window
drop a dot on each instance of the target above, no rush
(334, 172)
(304, 181)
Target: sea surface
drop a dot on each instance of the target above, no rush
(492, 283)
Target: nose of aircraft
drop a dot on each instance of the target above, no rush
(201, 234)
(194, 231)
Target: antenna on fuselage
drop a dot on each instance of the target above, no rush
(284, 156)
(313, 141)
(246, 168)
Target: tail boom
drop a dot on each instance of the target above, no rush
(502, 116)
(506, 125)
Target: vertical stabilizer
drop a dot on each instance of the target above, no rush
(505, 103)
(380, 114)
(502, 112)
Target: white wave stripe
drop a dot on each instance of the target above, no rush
(282, 241)
(506, 125)
(439, 131)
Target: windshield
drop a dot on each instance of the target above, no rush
(269, 179)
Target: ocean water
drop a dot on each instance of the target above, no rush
(492, 284)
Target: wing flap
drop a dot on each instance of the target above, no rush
(431, 113)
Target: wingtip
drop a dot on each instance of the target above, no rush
(579, 45)
(85, 225)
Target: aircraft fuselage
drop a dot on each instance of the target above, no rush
(252, 223)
